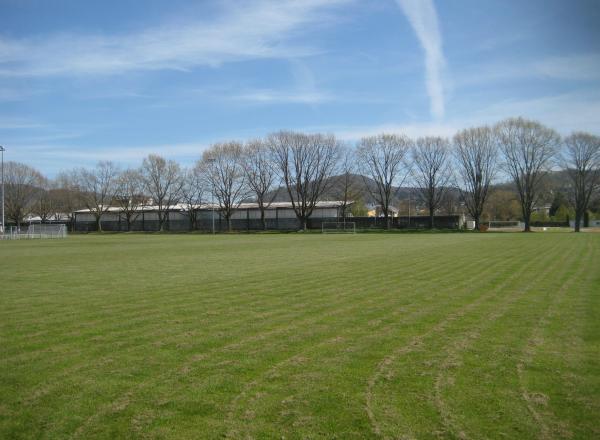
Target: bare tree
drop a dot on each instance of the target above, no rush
(130, 195)
(224, 170)
(476, 155)
(67, 195)
(383, 159)
(45, 203)
(21, 187)
(162, 181)
(192, 193)
(432, 172)
(98, 188)
(581, 158)
(528, 148)
(344, 188)
(260, 175)
(306, 162)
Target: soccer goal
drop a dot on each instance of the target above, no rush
(338, 227)
(35, 231)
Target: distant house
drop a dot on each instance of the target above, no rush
(377, 211)
(543, 209)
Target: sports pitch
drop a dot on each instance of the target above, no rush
(452, 335)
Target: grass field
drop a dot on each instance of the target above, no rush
(301, 336)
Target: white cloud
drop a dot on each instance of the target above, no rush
(576, 67)
(274, 96)
(423, 18)
(260, 29)
(565, 113)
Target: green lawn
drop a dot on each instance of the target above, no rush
(301, 336)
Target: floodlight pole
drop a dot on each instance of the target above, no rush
(2, 153)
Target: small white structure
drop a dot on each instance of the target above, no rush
(591, 223)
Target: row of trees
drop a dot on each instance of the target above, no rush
(302, 165)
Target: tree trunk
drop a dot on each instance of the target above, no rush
(388, 223)
(304, 224)
(262, 219)
(578, 221)
(99, 223)
(431, 212)
(229, 223)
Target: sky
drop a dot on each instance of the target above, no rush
(83, 81)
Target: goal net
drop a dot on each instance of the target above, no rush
(36, 231)
(338, 227)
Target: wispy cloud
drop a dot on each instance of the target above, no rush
(578, 111)
(303, 91)
(274, 96)
(424, 20)
(574, 67)
(248, 30)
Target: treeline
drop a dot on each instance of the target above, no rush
(302, 165)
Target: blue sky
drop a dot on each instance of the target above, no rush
(84, 81)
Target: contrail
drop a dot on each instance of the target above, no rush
(423, 18)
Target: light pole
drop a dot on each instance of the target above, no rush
(2, 153)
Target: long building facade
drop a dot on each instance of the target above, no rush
(278, 216)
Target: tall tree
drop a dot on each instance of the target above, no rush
(383, 159)
(21, 187)
(261, 175)
(130, 195)
(68, 198)
(305, 162)
(223, 166)
(432, 171)
(162, 181)
(192, 193)
(344, 187)
(98, 187)
(528, 148)
(476, 155)
(581, 158)
(45, 200)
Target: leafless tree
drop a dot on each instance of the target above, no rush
(192, 193)
(344, 188)
(432, 171)
(581, 159)
(383, 159)
(476, 155)
(68, 198)
(21, 187)
(45, 200)
(98, 187)
(261, 175)
(223, 166)
(162, 182)
(130, 195)
(528, 148)
(305, 162)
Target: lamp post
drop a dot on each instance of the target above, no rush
(2, 153)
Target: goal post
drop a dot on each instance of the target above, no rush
(338, 227)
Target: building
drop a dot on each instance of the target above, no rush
(278, 216)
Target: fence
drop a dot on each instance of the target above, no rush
(205, 224)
